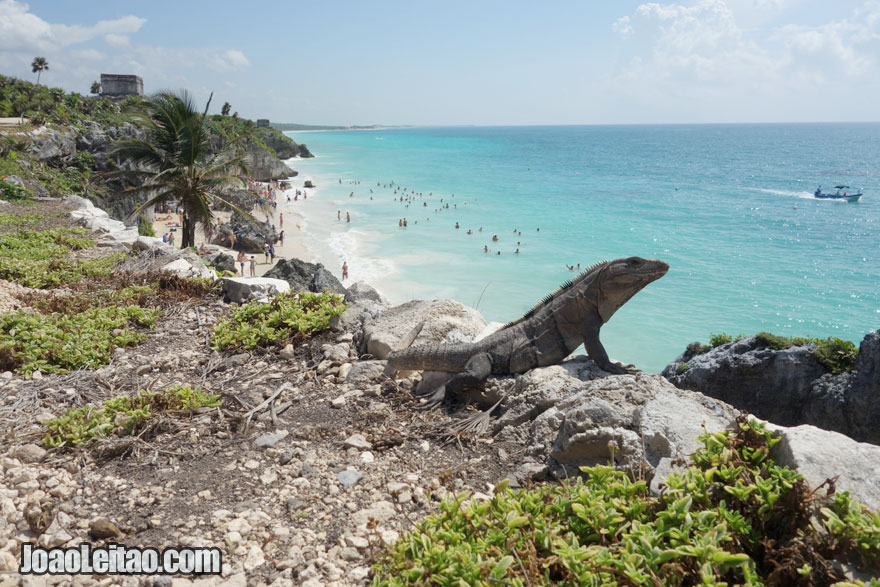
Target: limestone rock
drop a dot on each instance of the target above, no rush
(28, 453)
(360, 290)
(574, 414)
(366, 372)
(303, 276)
(445, 321)
(244, 289)
(820, 454)
(789, 387)
(221, 262)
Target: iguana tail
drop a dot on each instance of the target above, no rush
(451, 358)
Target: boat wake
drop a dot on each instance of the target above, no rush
(788, 193)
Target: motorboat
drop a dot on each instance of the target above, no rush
(840, 194)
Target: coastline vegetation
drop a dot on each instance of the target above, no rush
(733, 516)
(124, 415)
(287, 318)
(835, 354)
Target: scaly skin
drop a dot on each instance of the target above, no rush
(571, 315)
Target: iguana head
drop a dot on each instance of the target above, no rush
(621, 279)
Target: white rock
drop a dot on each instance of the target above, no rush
(821, 454)
(254, 558)
(357, 441)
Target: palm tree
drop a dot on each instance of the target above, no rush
(96, 88)
(226, 108)
(38, 66)
(175, 164)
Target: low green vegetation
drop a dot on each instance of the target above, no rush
(716, 340)
(682, 368)
(58, 343)
(836, 355)
(38, 258)
(145, 227)
(124, 415)
(288, 317)
(733, 517)
(12, 192)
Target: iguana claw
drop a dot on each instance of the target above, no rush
(433, 399)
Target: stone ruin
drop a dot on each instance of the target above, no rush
(121, 85)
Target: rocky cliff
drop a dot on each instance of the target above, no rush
(790, 386)
(87, 149)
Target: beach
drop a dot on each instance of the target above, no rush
(294, 246)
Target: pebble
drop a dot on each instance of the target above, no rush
(28, 453)
(339, 402)
(349, 478)
(270, 440)
(357, 441)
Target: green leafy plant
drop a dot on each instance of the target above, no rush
(732, 517)
(837, 355)
(288, 317)
(124, 415)
(145, 227)
(773, 341)
(682, 368)
(717, 340)
(12, 192)
(58, 343)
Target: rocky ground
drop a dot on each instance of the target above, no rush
(306, 491)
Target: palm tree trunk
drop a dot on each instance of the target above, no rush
(189, 233)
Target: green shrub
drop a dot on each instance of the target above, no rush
(286, 318)
(697, 348)
(733, 517)
(12, 192)
(125, 415)
(682, 368)
(145, 227)
(58, 343)
(717, 340)
(772, 341)
(837, 355)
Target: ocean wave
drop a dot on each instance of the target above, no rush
(351, 247)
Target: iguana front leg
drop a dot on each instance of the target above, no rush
(476, 371)
(594, 346)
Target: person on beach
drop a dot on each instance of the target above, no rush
(339, 215)
(266, 251)
(281, 220)
(242, 259)
(281, 238)
(344, 270)
(347, 217)
(485, 248)
(253, 266)
(272, 253)
(171, 239)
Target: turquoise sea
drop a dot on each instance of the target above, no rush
(729, 207)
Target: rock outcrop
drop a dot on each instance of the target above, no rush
(249, 237)
(820, 455)
(574, 414)
(445, 321)
(789, 387)
(240, 290)
(304, 276)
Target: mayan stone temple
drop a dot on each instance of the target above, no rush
(121, 85)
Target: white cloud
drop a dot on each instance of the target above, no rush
(23, 31)
(623, 27)
(117, 41)
(20, 30)
(229, 60)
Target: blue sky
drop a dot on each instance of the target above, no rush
(470, 62)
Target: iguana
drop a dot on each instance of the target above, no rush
(549, 332)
